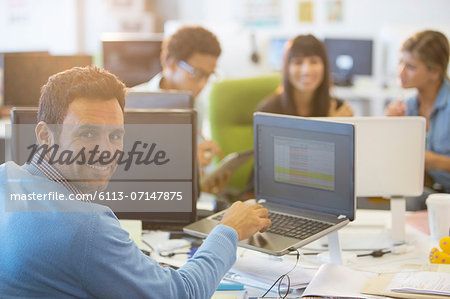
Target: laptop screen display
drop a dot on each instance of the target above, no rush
(305, 163)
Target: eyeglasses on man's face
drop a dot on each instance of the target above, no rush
(195, 73)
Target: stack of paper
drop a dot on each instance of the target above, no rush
(415, 281)
(423, 282)
(262, 271)
(338, 281)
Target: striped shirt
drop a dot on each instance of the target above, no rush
(53, 174)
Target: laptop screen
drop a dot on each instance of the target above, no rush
(305, 163)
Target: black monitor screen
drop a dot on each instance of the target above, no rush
(159, 195)
(25, 74)
(133, 61)
(349, 57)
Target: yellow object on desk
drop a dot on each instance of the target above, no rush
(441, 256)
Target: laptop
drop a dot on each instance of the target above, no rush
(304, 176)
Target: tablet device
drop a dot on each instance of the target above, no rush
(231, 162)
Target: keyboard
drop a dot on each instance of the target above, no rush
(292, 226)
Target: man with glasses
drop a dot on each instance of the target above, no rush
(188, 58)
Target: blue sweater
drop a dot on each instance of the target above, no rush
(88, 255)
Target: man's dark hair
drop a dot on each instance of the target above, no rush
(79, 82)
(189, 40)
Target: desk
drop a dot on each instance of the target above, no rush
(374, 221)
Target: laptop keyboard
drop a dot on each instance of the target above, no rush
(292, 226)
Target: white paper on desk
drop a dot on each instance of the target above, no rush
(267, 270)
(338, 281)
(422, 282)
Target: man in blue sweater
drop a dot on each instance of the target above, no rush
(73, 248)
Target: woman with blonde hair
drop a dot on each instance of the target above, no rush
(423, 65)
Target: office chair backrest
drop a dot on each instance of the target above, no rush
(232, 103)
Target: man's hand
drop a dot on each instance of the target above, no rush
(397, 108)
(206, 150)
(246, 219)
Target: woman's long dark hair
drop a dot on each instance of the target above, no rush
(308, 45)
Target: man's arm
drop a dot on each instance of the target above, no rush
(115, 268)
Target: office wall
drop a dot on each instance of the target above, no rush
(68, 26)
(360, 16)
(29, 25)
(52, 25)
(388, 22)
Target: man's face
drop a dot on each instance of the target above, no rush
(88, 123)
(192, 74)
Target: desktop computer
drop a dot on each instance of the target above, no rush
(276, 48)
(25, 73)
(135, 59)
(349, 57)
(161, 196)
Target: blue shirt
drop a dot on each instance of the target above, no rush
(87, 254)
(438, 135)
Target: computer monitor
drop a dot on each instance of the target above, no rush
(25, 73)
(159, 100)
(22, 134)
(276, 48)
(349, 57)
(133, 59)
(173, 131)
(390, 155)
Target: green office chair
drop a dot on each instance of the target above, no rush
(231, 107)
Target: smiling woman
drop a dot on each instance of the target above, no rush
(306, 82)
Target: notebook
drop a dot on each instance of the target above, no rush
(304, 176)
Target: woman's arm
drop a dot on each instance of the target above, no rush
(436, 161)
(344, 109)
